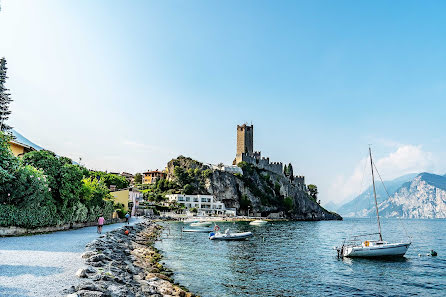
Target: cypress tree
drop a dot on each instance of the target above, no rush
(5, 100)
(285, 170)
(290, 170)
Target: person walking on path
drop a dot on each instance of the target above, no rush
(101, 222)
(127, 218)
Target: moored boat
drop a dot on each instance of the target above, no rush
(229, 236)
(373, 248)
(258, 223)
(198, 230)
(201, 224)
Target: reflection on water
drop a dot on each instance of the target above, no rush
(297, 259)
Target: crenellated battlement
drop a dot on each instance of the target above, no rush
(246, 153)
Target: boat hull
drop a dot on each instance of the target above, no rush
(388, 250)
(201, 224)
(198, 230)
(258, 223)
(234, 236)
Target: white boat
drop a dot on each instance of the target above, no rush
(373, 248)
(377, 248)
(201, 224)
(199, 230)
(258, 223)
(229, 236)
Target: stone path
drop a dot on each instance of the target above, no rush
(44, 265)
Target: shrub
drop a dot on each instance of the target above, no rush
(288, 203)
(110, 179)
(244, 202)
(188, 189)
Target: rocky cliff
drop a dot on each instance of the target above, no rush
(258, 190)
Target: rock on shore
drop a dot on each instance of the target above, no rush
(121, 265)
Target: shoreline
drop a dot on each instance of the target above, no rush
(120, 264)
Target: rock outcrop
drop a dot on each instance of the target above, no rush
(125, 265)
(257, 190)
(266, 192)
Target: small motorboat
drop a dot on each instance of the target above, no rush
(201, 224)
(229, 236)
(258, 223)
(199, 230)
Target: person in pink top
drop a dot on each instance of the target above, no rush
(101, 222)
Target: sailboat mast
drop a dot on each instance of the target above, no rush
(374, 193)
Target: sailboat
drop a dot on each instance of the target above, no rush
(372, 248)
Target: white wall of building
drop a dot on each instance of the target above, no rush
(203, 203)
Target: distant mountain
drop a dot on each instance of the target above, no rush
(331, 206)
(359, 206)
(423, 197)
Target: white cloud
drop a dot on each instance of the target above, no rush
(406, 159)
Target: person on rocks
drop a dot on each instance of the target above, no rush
(127, 218)
(101, 222)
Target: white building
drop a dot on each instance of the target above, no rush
(227, 168)
(205, 204)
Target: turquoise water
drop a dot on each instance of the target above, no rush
(297, 259)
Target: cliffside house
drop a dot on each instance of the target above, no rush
(151, 177)
(205, 204)
(20, 145)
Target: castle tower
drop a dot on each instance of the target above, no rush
(245, 139)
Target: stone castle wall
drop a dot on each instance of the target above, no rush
(263, 163)
(246, 153)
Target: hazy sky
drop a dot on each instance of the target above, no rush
(129, 85)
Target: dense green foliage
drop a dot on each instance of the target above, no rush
(138, 178)
(42, 189)
(110, 179)
(5, 98)
(312, 191)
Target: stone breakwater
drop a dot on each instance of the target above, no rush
(125, 265)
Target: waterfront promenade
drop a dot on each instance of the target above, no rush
(45, 264)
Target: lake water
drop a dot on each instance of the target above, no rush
(297, 259)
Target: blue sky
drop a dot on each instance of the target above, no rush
(128, 85)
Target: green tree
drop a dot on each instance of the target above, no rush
(8, 167)
(188, 189)
(181, 176)
(290, 169)
(5, 98)
(312, 191)
(285, 170)
(94, 191)
(138, 178)
(288, 203)
(111, 179)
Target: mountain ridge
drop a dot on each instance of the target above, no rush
(421, 195)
